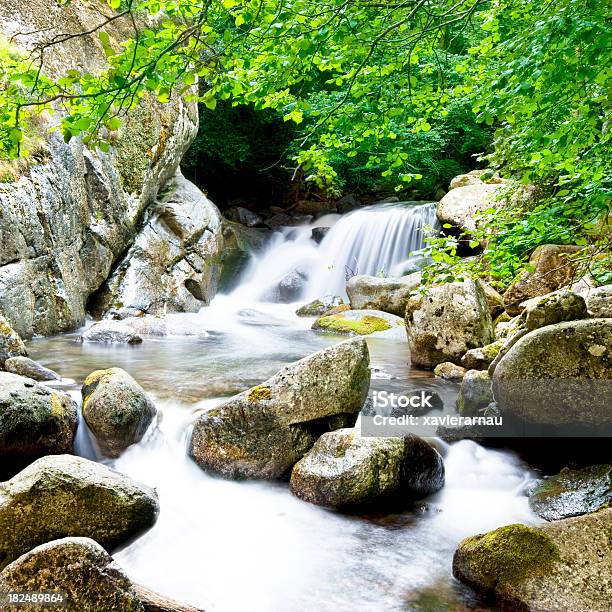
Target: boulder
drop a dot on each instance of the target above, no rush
(475, 177)
(387, 294)
(599, 301)
(174, 264)
(78, 568)
(480, 358)
(34, 421)
(344, 470)
(317, 308)
(110, 331)
(563, 565)
(60, 496)
(289, 289)
(447, 322)
(573, 493)
(243, 216)
(460, 206)
(495, 300)
(319, 233)
(116, 409)
(264, 431)
(559, 375)
(449, 371)
(552, 269)
(362, 323)
(24, 366)
(11, 345)
(347, 203)
(475, 393)
(73, 211)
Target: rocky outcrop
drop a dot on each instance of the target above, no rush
(24, 366)
(264, 431)
(559, 375)
(387, 294)
(78, 568)
(73, 212)
(564, 565)
(362, 323)
(116, 409)
(111, 332)
(11, 345)
(34, 421)
(344, 470)
(318, 308)
(60, 496)
(573, 493)
(447, 322)
(475, 393)
(175, 262)
(449, 371)
(552, 267)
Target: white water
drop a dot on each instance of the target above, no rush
(252, 546)
(373, 240)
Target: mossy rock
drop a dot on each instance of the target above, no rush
(360, 322)
(319, 308)
(11, 345)
(573, 492)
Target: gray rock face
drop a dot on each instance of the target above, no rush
(449, 371)
(447, 322)
(475, 393)
(559, 375)
(573, 493)
(34, 421)
(319, 233)
(81, 569)
(460, 205)
(263, 432)
(244, 216)
(344, 470)
(24, 366)
(553, 269)
(111, 332)
(116, 409)
(552, 308)
(599, 301)
(174, 264)
(387, 294)
(11, 345)
(60, 496)
(563, 565)
(67, 220)
(290, 288)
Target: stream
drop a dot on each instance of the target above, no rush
(252, 546)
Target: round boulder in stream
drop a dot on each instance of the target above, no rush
(116, 409)
(77, 567)
(346, 471)
(264, 431)
(62, 495)
(34, 421)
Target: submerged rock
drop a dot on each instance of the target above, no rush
(449, 371)
(387, 294)
(563, 565)
(60, 496)
(111, 332)
(317, 308)
(475, 393)
(362, 323)
(347, 471)
(559, 375)
(34, 421)
(24, 366)
(552, 267)
(264, 431)
(80, 569)
(11, 345)
(116, 409)
(573, 492)
(447, 322)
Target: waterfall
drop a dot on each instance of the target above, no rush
(374, 240)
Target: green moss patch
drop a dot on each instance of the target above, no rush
(337, 323)
(259, 393)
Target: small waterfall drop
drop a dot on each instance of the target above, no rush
(374, 240)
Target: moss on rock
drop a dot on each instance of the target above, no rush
(259, 393)
(339, 324)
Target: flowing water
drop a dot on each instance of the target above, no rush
(252, 546)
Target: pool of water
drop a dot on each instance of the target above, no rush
(252, 546)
